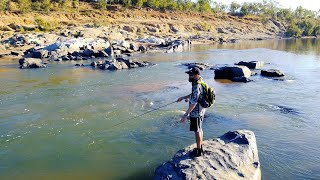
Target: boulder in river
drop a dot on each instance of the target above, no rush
(272, 73)
(116, 65)
(234, 155)
(251, 64)
(229, 72)
(31, 63)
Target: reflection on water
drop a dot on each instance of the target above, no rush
(54, 122)
(299, 46)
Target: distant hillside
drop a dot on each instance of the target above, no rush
(158, 17)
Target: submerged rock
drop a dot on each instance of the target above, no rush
(201, 66)
(241, 79)
(272, 73)
(232, 156)
(31, 63)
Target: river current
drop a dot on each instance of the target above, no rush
(56, 123)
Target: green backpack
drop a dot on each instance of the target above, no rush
(208, 96)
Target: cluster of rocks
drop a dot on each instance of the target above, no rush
(201, 66)
(215, 39)
(73, 49)
(86, 48)
(66, 49)
(240, 72)
(26, 63)
(118, 64)
(175, 45)
(19, 40)
(234, 155)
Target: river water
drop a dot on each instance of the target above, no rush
(56, 123)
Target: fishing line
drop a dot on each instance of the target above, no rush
(130, 119)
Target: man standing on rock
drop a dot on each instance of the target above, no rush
(195, 110)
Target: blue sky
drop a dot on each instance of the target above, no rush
(308, 4)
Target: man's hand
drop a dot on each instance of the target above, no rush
(183, 118)
(180, 99)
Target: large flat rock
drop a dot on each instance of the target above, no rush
(234, 155)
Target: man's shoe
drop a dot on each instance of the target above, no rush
(196, 152)
(202, 151)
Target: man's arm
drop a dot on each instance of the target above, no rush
(184, 97)
(184, 117)
(194, 96)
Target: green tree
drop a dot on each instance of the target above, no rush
(24, 6)
(46, 5)
(204, 5)
(5, 5)
(284, 14)
(188, 5)
(172, 4)
(316, 31)
(75, 4)
(139, 3)
(153, 3)
(307, 26)
(127, 3)
(245, 9)
(234, 7)
(102, 4)
(300, 12)
(218, 7)
(269, 7)
(293, 30)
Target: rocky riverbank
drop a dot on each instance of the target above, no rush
(234, 155)
(127, 31)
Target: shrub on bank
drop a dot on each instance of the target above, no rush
(24, 6)
(317, 31)
(307, 26)
(102, 4)
(5, 5)
(44, 25)
(293, 31)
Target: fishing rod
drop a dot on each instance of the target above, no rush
(130, 119)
